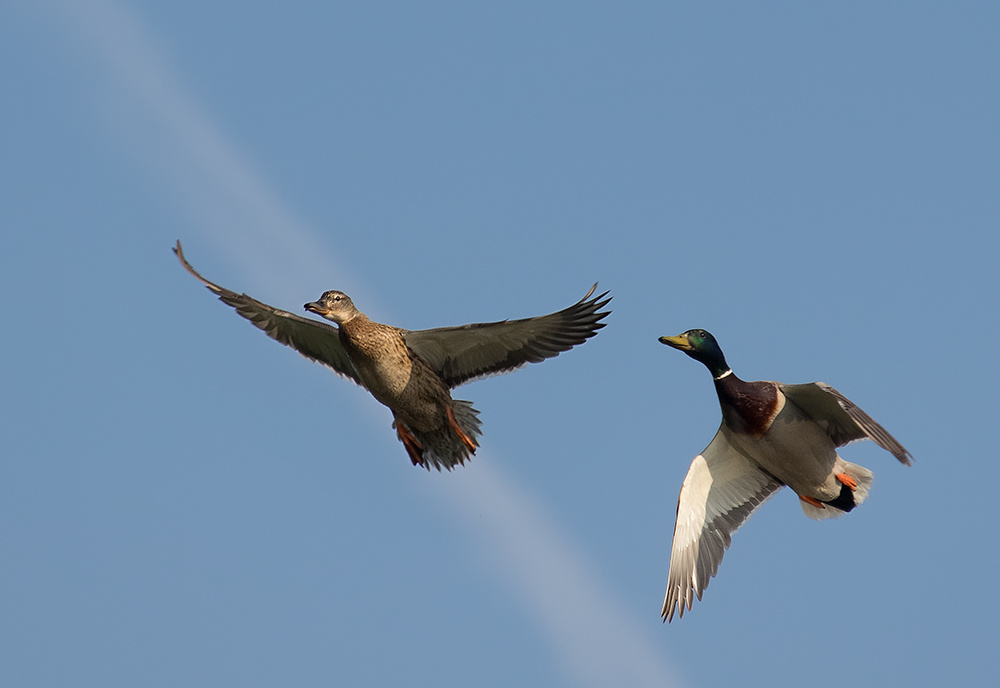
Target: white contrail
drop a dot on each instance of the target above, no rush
(221, 187)
(595, 640)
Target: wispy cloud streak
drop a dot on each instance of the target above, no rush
(173, 133)
(595, 640)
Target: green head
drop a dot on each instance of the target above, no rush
(701, 346)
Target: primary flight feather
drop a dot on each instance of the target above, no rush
(772, 435)
(412, 372)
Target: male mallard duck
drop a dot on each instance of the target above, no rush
(772, 435)
(413, 371)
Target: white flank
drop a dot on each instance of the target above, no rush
(596, 641)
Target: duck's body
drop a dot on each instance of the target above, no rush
(412, 372)
(764, 422)
(389, 370)
(772, 435)
(433, 427)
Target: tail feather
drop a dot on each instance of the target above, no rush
(443, 448)
(848, 499)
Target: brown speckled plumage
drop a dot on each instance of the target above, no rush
(412, 372)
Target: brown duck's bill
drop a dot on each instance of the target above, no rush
(315, 307)
(679, 342)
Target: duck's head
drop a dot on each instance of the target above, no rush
(701, 346)
(333, 305)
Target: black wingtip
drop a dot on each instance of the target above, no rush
(179, 252)
(598, 300)
(594, 305)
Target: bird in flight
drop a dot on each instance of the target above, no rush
(412, 372)
(772, 435)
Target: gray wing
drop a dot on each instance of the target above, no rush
(844, 421)
(720, 492)
(315, 340)
(469, 352)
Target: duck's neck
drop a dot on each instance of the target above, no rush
(727, 384)
(354, 319)
(747, 407)
(722, 375)
(717, 366)
(355, 328)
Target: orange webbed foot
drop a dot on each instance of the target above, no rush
(466, 440)
(414, 449)
(813, 501)
(847, 480)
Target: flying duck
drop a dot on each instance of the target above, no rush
(412, 372)
(772, 435)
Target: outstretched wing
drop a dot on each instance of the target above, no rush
(315, 340)
(469, 352)
(720, 492)
(844, 421)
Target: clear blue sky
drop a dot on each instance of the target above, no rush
(185, 502)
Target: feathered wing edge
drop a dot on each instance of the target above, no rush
(844, 420)
(721, 491)
(315, 340)
(469, 352)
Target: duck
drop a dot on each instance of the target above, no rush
(412, 372)
(772, 435)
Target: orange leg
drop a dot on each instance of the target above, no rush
(413, 447)
(466, 440)
(847, 480)
(812, 500)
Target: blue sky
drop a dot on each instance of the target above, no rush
(186, 502)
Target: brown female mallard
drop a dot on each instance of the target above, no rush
(412, 372)
(772, 435)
